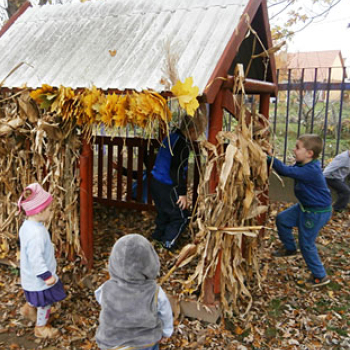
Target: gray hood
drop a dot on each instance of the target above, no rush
(129, 312)
(133, 260)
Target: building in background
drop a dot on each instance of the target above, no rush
(314, 66)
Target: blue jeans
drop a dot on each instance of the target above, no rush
(309, 225)
(154, 347)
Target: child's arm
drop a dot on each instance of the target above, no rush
(178, 164)
(337, 163)
(48, 278)
(165, 313)
(295, 172)
(35, 251)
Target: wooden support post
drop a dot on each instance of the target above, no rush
(86, 204)
(264, 110)
(264, 105)
(215, 125)
(212, 284)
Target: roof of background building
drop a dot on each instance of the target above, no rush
(314, 59)
(315, 64)
(118, 44)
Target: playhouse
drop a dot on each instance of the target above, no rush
(123, 47)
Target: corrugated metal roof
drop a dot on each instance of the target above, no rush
(70, 44)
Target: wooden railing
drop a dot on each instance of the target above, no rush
(120, 165)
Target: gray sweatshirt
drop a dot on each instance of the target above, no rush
(129, 311)
(339, 167)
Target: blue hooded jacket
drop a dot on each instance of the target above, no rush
(310, 185)
(171, 167)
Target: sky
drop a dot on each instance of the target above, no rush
(328, 33)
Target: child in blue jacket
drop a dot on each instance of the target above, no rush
(313, 210)
(169, 185)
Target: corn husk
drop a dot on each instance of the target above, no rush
(37, 147)
(228, 221)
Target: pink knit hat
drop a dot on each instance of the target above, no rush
(37, 201)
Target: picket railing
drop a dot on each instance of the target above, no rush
(122, 170)
(311, 100)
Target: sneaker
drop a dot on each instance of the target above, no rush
(46, 332)
(283, 252)
(28, 312)
(168, 246)
(318, 282)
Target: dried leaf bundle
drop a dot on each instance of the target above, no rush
(93, 106)
(44, 149)
(239, 160)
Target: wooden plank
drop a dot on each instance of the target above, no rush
(100, 167)
(109, 170)
(130, 161)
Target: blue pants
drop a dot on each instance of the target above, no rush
(309, 225)
(154, 347)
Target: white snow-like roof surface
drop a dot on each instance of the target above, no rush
(117, 44)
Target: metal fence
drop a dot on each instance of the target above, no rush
(311, 100)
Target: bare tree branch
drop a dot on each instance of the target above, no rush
(311, 19)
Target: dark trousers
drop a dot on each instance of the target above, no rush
(343, 193)
(171, 220)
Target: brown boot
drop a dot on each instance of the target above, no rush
(46, 332)
(28, 312)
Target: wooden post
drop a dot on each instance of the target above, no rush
(212, 284)
(86, 204)
(215, 125)
(264, 110)
(264, 105)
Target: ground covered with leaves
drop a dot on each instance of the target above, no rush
(286, 314)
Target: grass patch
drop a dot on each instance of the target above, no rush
(334, 286)
(276, 306)
(340, 331)
(271, 332)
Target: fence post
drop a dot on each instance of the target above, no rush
(86, 206)
(340, 109)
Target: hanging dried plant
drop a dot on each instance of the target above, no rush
(38, 148)
(228, 219)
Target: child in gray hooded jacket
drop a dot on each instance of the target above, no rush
(336, 173)
(135, 312)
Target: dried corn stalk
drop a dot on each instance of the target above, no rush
(44, 149)
(242, 180)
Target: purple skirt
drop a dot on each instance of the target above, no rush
(47, 296)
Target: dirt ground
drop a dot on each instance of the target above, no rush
(285, 313)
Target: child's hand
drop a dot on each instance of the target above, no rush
(182, 202)
(164, 340)
(50, 281)
(270, 151)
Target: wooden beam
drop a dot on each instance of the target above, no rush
(230, 52)
(13, 18)
(252, 86)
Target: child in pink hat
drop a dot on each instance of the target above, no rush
(41, 285)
